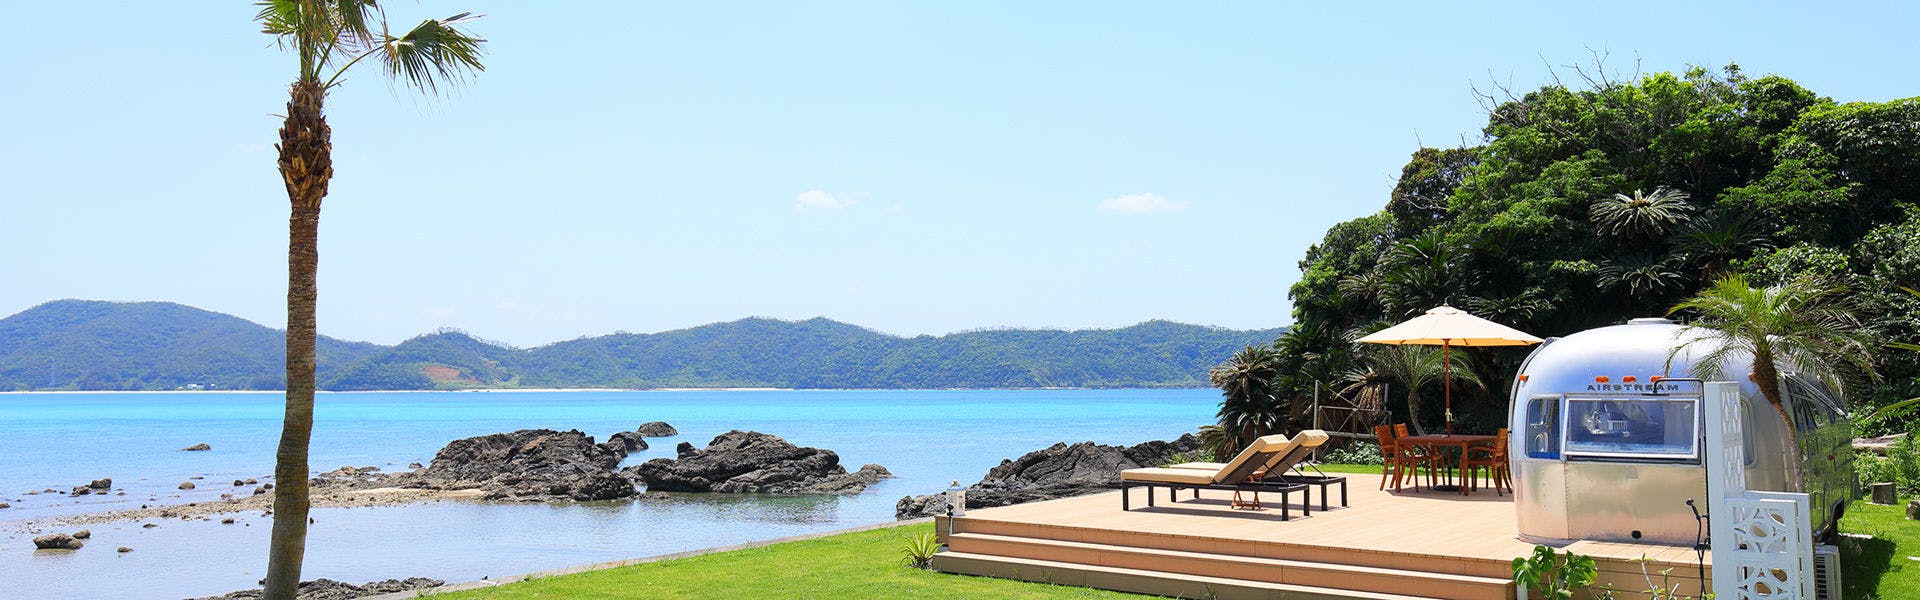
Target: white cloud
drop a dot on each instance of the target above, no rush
(825, 200)
(1141, 203)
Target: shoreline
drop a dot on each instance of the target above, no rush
(334, 498)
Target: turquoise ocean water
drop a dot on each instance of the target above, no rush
(926, 438)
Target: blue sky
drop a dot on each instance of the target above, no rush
(911, 167)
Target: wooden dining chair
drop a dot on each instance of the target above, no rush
(1402, 460)
(1491, 459)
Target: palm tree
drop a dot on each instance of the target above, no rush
(1640, 274)
(1808, 324)
(1414, 367)
(1641, 215)
(330, 37)
(1249, 407)
(1718, 239)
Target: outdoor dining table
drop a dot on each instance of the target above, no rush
(1436, 441)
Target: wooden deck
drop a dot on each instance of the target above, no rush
(1383, 545)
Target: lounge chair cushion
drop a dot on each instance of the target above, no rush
(1162, 475)
(1203, 466)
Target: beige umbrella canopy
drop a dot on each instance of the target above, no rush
(1446, 326)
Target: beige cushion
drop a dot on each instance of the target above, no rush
(1311, 438)
(1203, 466)
(1159, 475)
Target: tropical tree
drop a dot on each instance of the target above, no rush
(1716, 240)
(1414, 367)
(1640, 274)
(330, 37)
(1249, 407)
(1641, 215)
(1805, 323)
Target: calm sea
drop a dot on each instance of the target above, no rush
(926, 438)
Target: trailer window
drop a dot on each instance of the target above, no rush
(1543, 427)
(1632, 427)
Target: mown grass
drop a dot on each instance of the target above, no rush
(855, 566)
(1879, 568)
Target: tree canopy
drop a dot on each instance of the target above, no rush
(1586, 206)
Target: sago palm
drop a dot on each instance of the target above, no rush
(330, 37)
(1641, 215)
(1249, 406)
(1640, 274)
(1415, 367)
(1807, 324)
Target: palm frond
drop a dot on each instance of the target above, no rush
(1641, 214)
(434, 53)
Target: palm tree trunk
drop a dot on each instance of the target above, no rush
(1413, 411)
(1767, 377)
(306, 164)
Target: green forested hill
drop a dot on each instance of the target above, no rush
(72, 344)
(84, 345)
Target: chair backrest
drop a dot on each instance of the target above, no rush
(1500, 444)
(1295, 451)
(1385, 434)
(1399, 430)
(1252, 459)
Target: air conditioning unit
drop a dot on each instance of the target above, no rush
(1826, 572)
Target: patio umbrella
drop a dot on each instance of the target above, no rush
(1446, 327)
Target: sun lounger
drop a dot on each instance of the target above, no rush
(1286, 467)
(1242, 474)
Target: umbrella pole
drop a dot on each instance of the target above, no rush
(1446, 362)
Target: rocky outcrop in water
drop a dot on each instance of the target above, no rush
(657, 429)
(197, 448)
(328, 589)
(754, 462)
(57, 541)
(1057, 471)
(530, 464)
(627, 441)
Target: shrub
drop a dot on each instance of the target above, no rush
(1355, 453)
(1901, 466)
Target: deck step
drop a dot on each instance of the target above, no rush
(1319, 550)
(1142, 581)
(1313, 574)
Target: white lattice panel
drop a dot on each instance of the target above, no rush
(1762, 541)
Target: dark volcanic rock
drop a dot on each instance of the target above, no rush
(328, 589)
(102, 484)
(83, 534)
(197, 448)
(57, 541)
(1058, 471)
(754, 462)
(683, 450)
(186, 485)
(657, 429)
(527, 464)
(626, 442)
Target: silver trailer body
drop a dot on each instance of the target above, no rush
(1600, 450)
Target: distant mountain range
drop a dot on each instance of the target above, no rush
(90, 345)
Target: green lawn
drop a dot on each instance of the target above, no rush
(856, 565)
(1878, 568)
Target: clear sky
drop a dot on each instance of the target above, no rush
(914, 167)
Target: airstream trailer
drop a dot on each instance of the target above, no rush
(1600, 450)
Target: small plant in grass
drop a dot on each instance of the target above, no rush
(1557, 576)
(918, 551)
